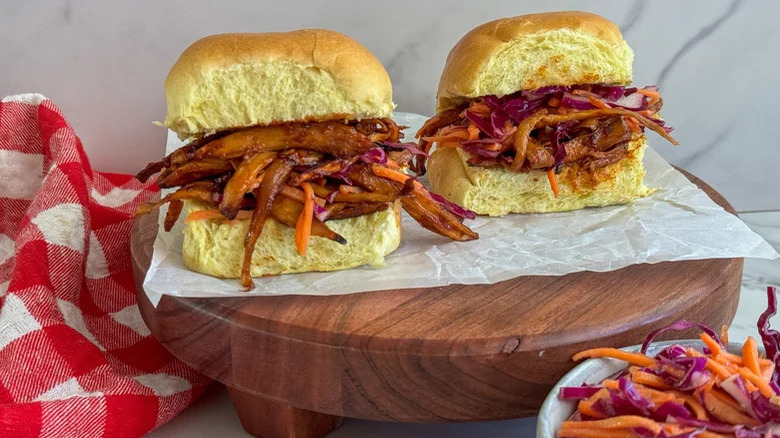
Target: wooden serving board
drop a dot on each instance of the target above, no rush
(296, 364)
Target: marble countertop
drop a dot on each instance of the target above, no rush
(104, 63)
(213, 414)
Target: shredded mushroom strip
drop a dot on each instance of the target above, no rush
(264, 199)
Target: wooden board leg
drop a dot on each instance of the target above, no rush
(269, 419)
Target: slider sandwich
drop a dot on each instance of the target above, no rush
(536, 114)
(292, 162)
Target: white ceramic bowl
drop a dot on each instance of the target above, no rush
(592, 371)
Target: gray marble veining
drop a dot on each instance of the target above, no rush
(634, 14)
(700, 37)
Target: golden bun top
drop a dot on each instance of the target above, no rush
(244, 79)
(532, 51)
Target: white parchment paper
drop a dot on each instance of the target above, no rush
(677, 222)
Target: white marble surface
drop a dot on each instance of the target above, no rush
(213, 414)
(715, 60)
(104, 64)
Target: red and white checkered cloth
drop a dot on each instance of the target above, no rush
(76, 360)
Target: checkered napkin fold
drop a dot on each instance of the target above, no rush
(76, 360)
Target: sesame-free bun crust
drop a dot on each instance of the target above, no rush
(532, 51)
(214, 248)
(244, 79)
(499, 191)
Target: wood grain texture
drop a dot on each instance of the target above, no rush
(267, 419)
(455, 353)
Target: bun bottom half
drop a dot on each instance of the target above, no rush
(498, 191)
(215, 248)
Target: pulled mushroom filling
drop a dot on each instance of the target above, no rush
(302, 175)
(547, 128)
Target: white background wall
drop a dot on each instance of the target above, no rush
(104, 62)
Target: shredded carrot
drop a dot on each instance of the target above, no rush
(450, 133)
(726, 399)
(587, 409)
(619, 422)
(726, 409)
(586, 93)
(200, 215)
(749, 386)
(706, 434)
(614, 353)
(594, 433)
(750, 356)
(303, 226)
(473, 131)
(673, 429)
(650, 380)
(767, 368)
(726, 357)
(554, 102)
(673, 371)
(653, 95)
(392, 164)
(718, 369)
(479, 108)
(694, 404)
(597, 103)
(509, 129)
(762, 386)
(711, 344)
(632, 123)
(610, 384)
(724, 334)
(390, 174)
(654, 395)
(553, 182)
(586, 406)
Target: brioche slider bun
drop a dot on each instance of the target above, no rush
(238, 80)
(218, 249)
(230, 81)
(534, 51)
(526, 53)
